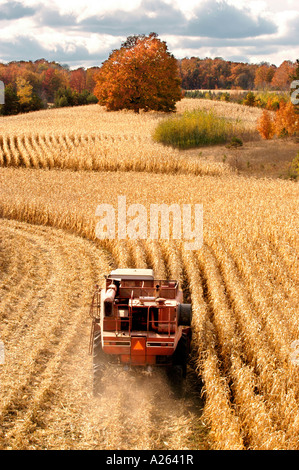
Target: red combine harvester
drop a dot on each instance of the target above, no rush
(140, 321)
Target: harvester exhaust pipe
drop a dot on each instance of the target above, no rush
(158, 291)
(110, 294)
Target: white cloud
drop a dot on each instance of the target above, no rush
(254, 29)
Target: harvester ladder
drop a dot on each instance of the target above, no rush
(94, 306)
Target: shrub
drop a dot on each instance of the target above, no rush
(62, 102)
(266, 125)
(225, 96)
(286, 121)
(284, 124)
(294, 168)
(192, 129)
(250, 99)
(91, 99)
(270, 100)
(235, 142)
(68, 97)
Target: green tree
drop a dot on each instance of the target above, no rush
(24, 92)
(69, 97)
(249, 100)
(12, 103)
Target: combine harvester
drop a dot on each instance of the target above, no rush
(139, 321)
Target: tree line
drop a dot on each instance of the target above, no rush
(35, 85)
(30, 86)
(211, 74)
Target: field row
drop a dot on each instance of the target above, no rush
(250, 383)
(243, 285)
(89, 138)
(100, 153)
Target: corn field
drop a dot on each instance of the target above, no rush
(243, 376)
(99, 153)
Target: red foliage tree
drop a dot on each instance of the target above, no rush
(282, 77)
(286, 120)
(53, 79)
(264, 75)
(142, 74)
(78, 80)
(91, 78)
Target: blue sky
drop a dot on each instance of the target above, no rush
(83, 32)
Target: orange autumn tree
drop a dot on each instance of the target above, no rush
(286, 120)
(283, 123)
(265, 125)
(142, 74)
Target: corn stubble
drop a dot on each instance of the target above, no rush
(243, 285)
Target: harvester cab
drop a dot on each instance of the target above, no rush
(140, 321)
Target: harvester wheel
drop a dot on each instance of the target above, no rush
(98, 363)
(182, 354)
(184, 314)
(178, 370)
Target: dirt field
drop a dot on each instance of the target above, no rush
(242, 386)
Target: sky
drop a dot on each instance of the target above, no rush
(82, 33)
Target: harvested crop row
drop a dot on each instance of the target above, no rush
(100, 153)
(46, 382)
(89, 138)
(45, 324)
